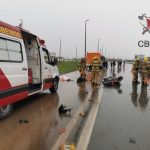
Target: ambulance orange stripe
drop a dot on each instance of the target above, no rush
(10, 30)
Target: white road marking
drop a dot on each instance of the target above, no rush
(89, 124)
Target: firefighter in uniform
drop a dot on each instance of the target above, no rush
(144, 71)
(135, 70)
(82, 68)
(95, 70)
(140, 65)
(148, 72)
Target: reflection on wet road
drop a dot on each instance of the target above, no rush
(35, 122)
(123, 118)
(40, 115)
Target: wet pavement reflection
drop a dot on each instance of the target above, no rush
(40, 113)
(35, 122)
(82, 91)
(123, 120)
(140, 99)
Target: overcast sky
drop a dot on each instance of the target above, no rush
(114, 22)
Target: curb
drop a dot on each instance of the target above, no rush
(89, 125)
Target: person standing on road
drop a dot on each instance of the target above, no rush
(144, 71)
(82, 68)
(135, 70)
(124, 62)
(118, 63)
(95, 70)
(114, 64)
(111, 64)
(148, 73)
(106, 64)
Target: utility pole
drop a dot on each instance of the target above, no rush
(60, 49)
(102, 49)
(76, 53)
(98, 46)
(105, 53)
(85, 38)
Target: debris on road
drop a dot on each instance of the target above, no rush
(81, 79)
(112, 81)
(64, 109)
(65, 78)
(62, 130)
(68, 147)
(82, 114)
(23, 121)
(90, 100)
(132, 140)
(119, 91)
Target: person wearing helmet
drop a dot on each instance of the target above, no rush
(144, 71)
(95, 70)
(135, 70)
(148, 71)
(82, 68)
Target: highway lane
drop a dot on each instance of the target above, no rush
(123, 119)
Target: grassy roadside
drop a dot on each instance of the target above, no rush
(67, 66)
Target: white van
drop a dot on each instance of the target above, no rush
(26, 67)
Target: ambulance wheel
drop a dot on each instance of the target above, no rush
(54, 87)
(5, 111)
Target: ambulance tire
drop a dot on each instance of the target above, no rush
(5, 111)
(54, 87)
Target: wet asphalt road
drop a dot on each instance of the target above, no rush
(43, 121)
(123, 119)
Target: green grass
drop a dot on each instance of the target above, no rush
(67, 66)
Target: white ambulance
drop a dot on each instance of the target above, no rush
(26, 67)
